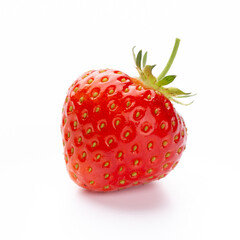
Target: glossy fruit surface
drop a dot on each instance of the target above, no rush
(119, 132)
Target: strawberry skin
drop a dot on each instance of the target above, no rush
(117, 132)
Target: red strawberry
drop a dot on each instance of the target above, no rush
(120, 131)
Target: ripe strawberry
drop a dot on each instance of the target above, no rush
(120, 131)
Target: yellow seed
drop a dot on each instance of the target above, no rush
(117, 122)
(120, 169)
(148, 96)
(153, 159)
(156, 111)
(81, 99)
(68, 134)
(98, 156)
(137, 114)
(165, 165)
(90, 81)
(89, 169)
(149, 170)
(173, 123)
(120, 154)
(126, 90)
(136, 162)
(162, 126)
(167, 105)
(91, 182)
(106, 164)
(167, 154)
(134, 174)
(146, 128)
(165, 143)
(75, 123)
(123, 80)
(72, 150)
(84, 154)
(97, 109)
(95, 94)
(94, 144)
(111, 91)
(75, 89)
(79, 139)
(150, 145)
(84, 115)
(176, 137)
(110, 141)
(102, 125)
(106, 175)
(127, 134)
(150, 177)
(89, 130)
(113, 106)
(105, 79)
(179, 150)
(128, 104)
(135, 183)
(70, 108)
(174, 165)
(135, 148)
(106, 187)
(76, 166)
(122, 181)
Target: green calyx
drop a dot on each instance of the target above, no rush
(158, 83)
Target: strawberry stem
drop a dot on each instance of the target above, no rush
(170, 61)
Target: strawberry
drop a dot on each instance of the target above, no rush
(120, 131)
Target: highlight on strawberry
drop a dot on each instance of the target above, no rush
(119, 131)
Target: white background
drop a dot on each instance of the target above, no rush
(45, 45)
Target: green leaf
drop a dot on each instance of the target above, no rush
(185, 104)
(133, 53)
(166, 80)
(148, 73)
(185, 96)
(176, 92)
(148, 69)
(139, 58)
(144, 59)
